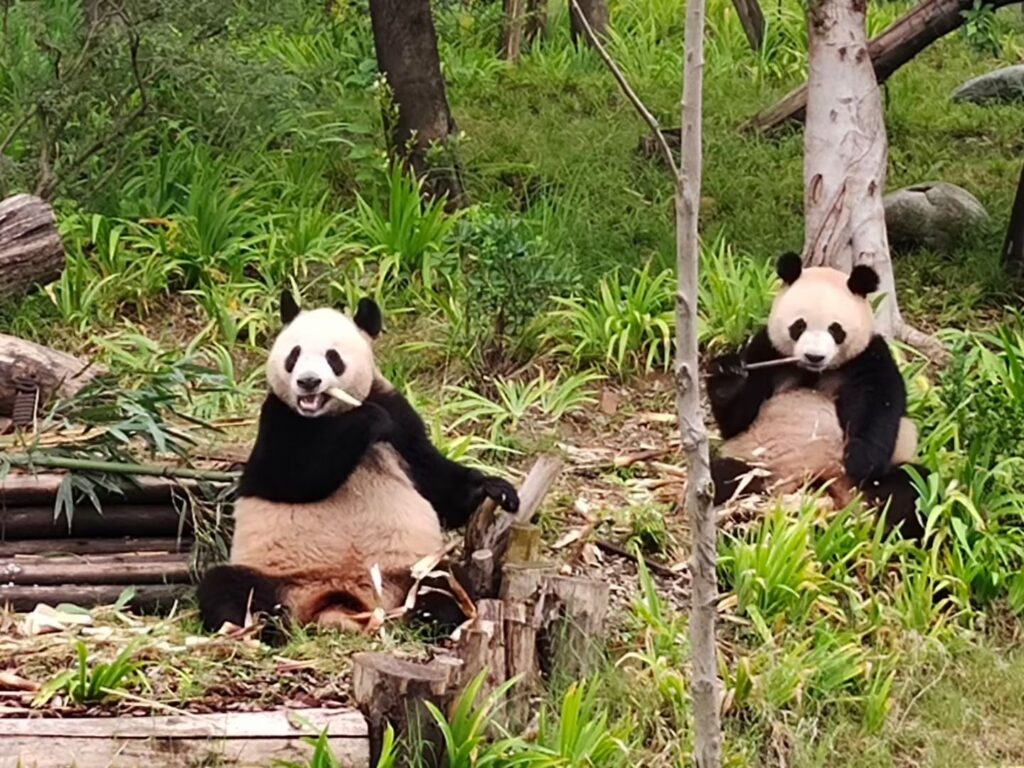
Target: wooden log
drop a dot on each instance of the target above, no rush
(229, 739)
(44, 547)
(120, 520)
(480, 572)
(96, 569)
(575, 612)
(891, 49)
(752, 19)
(26, 489)
(148, 597)
(392, 691)
(524, 543)
(482, 647)
(31, 251)
(55, 373)
(521, 595)
(1013, 245)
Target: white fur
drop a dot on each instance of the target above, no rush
(316, 332)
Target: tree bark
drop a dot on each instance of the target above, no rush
(845, 152)
(512, 30)
(406, 45)
(31, 251)
(894, 47)
(752, 19)
(1013, 246)
(706, 687)
(595, 14)
(55, 373)
(536, 20)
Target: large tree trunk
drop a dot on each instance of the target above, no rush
(706, 687)
(406, 44)
(894, 47)
(31, 251)
(845, 151)
(1013, 246)
(595, 12)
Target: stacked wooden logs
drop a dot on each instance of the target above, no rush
(531, 625)
(139, 538)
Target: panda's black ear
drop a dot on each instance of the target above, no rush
(289, 307)
(790, 267)
(863, 280)
(368, 317)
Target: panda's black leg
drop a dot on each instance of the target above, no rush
(896, 489)
(436, 609)
(227, 592)
(728, 474)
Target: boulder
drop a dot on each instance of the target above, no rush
(1005, 85)
(931, 215)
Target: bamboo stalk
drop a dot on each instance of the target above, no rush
(119, 468)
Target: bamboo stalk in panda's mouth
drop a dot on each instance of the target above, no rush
(340, 394)
(771, 363)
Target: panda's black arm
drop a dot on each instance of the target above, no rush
(298, 460)
(736, 394)
(871, 401)
(455, 491)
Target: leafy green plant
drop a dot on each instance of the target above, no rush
(735, 295)
(92, 683)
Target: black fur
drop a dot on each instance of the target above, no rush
(727, 474)
(227, 591)
(736, 394)
(289, 307)
(896, 489)
(368, 317)
(863, 280)
(789, 267)
(872, 400)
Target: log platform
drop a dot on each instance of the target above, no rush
(181, 741)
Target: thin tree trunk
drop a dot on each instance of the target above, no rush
(406, 45)
(594, 13)
(895, 46)
(705, 685)
(752, 19)
(1013, 246)
(513, 27)
(845, 152)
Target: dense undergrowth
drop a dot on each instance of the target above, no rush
(258, 164)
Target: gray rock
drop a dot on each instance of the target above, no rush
(1005, 85)
(931, 215)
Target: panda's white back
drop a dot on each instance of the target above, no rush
(376, 517)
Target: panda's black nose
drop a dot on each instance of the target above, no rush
(814, 359)
(309, 383)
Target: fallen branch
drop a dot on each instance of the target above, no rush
(615, 549)
(116, 468)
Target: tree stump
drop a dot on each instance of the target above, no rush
(575, 611)
(31, 251)
(53, 372)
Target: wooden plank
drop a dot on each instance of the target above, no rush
(26, 489)
(44, 547)
(278, 723)
(64, 752)
(96, 569)
(120, 520)
(147, 596)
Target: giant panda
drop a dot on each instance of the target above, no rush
(835, 414)
(332, 488)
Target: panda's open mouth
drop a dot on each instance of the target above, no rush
(311, 404)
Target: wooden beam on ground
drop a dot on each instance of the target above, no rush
(891, 49)
(228, 739)
(31, 251)
(50, 547)
(20, 489)
(96, 569)
(752, 19)
(115, 521)
(148, 597)
(1013, 245)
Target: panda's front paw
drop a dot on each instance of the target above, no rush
(726, 377)
(503, 493)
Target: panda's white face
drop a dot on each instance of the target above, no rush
(819, 319)
(320, 349)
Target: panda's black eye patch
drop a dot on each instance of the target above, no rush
(334, 360)
(292, 359)
(837, 333)
(797, 329)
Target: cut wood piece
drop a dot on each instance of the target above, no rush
(480, 572)
(482, 647)
(56, 373)
(230, 739)
(575, 612)
(392, 691)
(522, 595)
(126, 520)
(46, 547)
(900, 42)
(96, 569)
(31, 251)
(147, 597)
(24, 488)
(524, 543)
